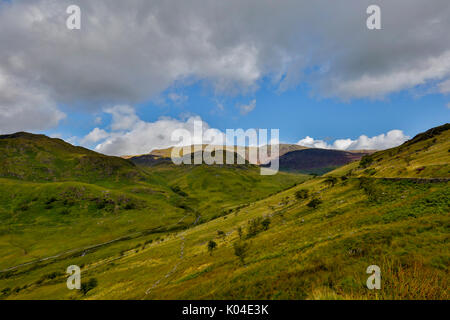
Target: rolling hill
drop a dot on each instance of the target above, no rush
(313, 240)
(56, 197)
(165, 154)
(424, 156)
(31, 157)
(292, 158)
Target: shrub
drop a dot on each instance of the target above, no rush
(302, 194)
(314, 203)
(130, 206)
(178, 191)
(265, 224)
(241, 250)
(371, 190)
(331, 181)
(88, 286)
(211, 246)
(370, 171)
(51, 200)
(239, 230)
(366, 161)
(254, 227)
(257, 225)
(6, 291)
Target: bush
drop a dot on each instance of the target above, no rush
(253, 227)
(314, 203)
(366, 161)
(51, 200)
(331, 181)
(265, 224)
(241, 250)
(373, 193)
(211, 246)
(239, 230)
(257, 225)
(178, 191)
(6, 291)
(302, 194)
(88, 286)
(370, 171)
(130, 206)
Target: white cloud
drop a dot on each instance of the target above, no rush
(448, 105)
(246, 109)
(25, 108)
(383, 141)
(141, 137)
(94, 136)
(378, 85)
(123, 117)
(130, 52)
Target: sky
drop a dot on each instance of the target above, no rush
(136, 71)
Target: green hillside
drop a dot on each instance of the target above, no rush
(311, 241)
(31, 157)
(424, 156)
(56, 197)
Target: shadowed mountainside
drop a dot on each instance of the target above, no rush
(317, 160)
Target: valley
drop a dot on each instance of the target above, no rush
(142, 232)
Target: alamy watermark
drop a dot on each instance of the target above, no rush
(73, 22)
(235, 147)
(373, 22)
(374, 281)
(74, 279)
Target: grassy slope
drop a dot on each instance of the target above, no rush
(426, 155)
(401, 226)
(32, 157)
(92, 198)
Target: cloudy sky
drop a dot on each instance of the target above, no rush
(139, 69)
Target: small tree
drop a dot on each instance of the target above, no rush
(88, 286)
(239, 230)
(211, 246)
(302, 194)
(254, 227)
(241, 250)
(221, 234)
(265, 224)
(314, 203)
(366, 161)
(331, 181)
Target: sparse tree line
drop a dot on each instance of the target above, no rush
(303, 194)
(241, 247)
